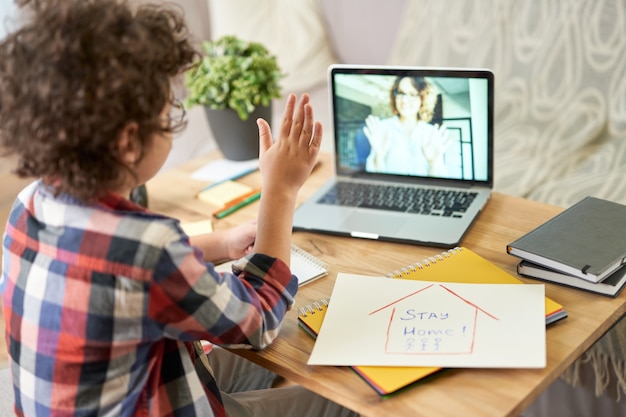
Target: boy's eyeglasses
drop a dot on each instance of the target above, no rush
(176, 115)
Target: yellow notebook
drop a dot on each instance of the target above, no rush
(384, 379)
(455, 265)
(463, 265)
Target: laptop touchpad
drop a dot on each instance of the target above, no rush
(362, 222)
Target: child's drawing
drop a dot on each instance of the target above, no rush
(378, 321)
(420, 324)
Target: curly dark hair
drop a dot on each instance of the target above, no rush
(75, 74)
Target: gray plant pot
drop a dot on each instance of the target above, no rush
(237, 139)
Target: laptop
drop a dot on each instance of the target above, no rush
(402, 178)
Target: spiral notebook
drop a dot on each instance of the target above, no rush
(456, 265)
(385, 380)
(463, 265)
(305, 266)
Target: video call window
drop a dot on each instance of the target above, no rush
(378, 105)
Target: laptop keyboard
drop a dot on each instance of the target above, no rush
(398, 198)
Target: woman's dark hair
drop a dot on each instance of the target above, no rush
(74, 75)
(424, 89)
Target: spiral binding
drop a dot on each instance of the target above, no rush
(402, 272)
(309, 257)
(313, 307)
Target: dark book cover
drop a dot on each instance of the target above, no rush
(587, 240)
(611, 286)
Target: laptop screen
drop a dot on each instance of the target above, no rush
(413, 122)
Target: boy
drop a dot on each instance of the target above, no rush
(104, 302)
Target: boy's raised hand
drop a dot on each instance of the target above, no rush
(287, 162)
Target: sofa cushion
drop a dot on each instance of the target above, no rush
(292, 30)
(560, 122)
(362, 31)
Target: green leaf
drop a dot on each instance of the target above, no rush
(234, 73)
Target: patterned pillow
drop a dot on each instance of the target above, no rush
(560, 101)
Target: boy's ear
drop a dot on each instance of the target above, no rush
(128, 145)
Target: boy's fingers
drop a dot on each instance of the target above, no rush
(265, 136)
(316, 139)
(298, 119)
(307, 126)
(285, 126)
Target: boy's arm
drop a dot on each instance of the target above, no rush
(251, 308)
(285, 165)
(226, 244)
(189, 300)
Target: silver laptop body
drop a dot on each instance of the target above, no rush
(419, 182)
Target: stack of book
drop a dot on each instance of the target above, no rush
(583, 247)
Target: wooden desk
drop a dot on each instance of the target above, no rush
(466, 392)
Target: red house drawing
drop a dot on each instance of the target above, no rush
(420, 324)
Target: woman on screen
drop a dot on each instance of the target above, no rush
(406, 143)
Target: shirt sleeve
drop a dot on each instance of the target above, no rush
(189, 300)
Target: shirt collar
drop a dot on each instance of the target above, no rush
(114, 201)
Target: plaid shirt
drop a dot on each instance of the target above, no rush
(102, 304)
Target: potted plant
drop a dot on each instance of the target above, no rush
(235, 81)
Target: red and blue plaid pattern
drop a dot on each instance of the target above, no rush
(103, 304)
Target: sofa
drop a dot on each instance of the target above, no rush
(559, 66)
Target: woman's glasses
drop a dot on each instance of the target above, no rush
(401, 95)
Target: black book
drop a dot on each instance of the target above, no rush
(587, 240)
(611, 286)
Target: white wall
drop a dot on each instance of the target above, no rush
(197, 138)
(7, 13)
